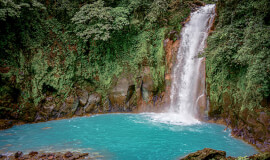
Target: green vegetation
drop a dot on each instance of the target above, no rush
(49, 47)
(238, 56)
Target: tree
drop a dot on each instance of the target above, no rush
(9, 9)
(95, 21)
(157, 9)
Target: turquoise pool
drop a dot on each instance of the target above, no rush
(122, 136)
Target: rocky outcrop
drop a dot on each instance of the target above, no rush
(205, 154)
(5, 124)
(49, 156)
(208, 154)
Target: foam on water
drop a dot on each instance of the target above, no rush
(171, 118)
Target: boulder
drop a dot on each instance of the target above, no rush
(121, 94)
(18, 154)
(264, 118)
(70, 105)
(94, 98)
(80, 111)
(89, 108)
(83, 97)
(118, 94)
(33, 153)
(205, 154)
(68, 154)
(48, 108)
(121, 87)
(93, 101)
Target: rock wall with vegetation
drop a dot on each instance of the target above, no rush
(238, 69)
(61, 58)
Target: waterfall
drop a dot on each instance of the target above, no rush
(186, 71)
(185, 89)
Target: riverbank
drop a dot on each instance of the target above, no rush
(243, 132)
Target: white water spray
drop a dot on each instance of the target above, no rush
(185, 76)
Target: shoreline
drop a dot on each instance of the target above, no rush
(18, 122)
(223, 123)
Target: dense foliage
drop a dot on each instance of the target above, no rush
(51, 47)
(238, 56)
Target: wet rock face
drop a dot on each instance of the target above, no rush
(147, 86)
(119, 92)
(254, 129)
(120, 95)
(205, 154)
(251, 126)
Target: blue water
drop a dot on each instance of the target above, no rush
(122, 136)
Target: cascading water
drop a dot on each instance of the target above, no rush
(186, 74)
